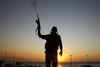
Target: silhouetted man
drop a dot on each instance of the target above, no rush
(53, 41)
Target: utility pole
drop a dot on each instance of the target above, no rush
(14, 58)
(5, 57)
(87, 59)
(70, 60)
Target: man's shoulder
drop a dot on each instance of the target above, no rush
(49, 35)
(58, 35)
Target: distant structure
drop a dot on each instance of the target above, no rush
(14, 58)
(5, 57)
(2, 63)
(87, 65)
(70, 60)
(39, 65)
(87, 59)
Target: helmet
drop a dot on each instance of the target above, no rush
(54, 29)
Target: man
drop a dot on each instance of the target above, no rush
(53, 41)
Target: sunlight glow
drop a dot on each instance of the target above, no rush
(63, 58)
(60, 58)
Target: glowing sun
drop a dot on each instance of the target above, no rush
(60, 58)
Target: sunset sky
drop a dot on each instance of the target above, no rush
(78, 23)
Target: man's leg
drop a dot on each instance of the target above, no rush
(54, 61)
(48, 60)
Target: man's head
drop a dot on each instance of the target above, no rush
(54, 29)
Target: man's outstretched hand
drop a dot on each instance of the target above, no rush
(60, 53)
(37, 21)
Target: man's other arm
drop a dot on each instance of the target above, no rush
(61, 47)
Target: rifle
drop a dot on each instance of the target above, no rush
(38, 24)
